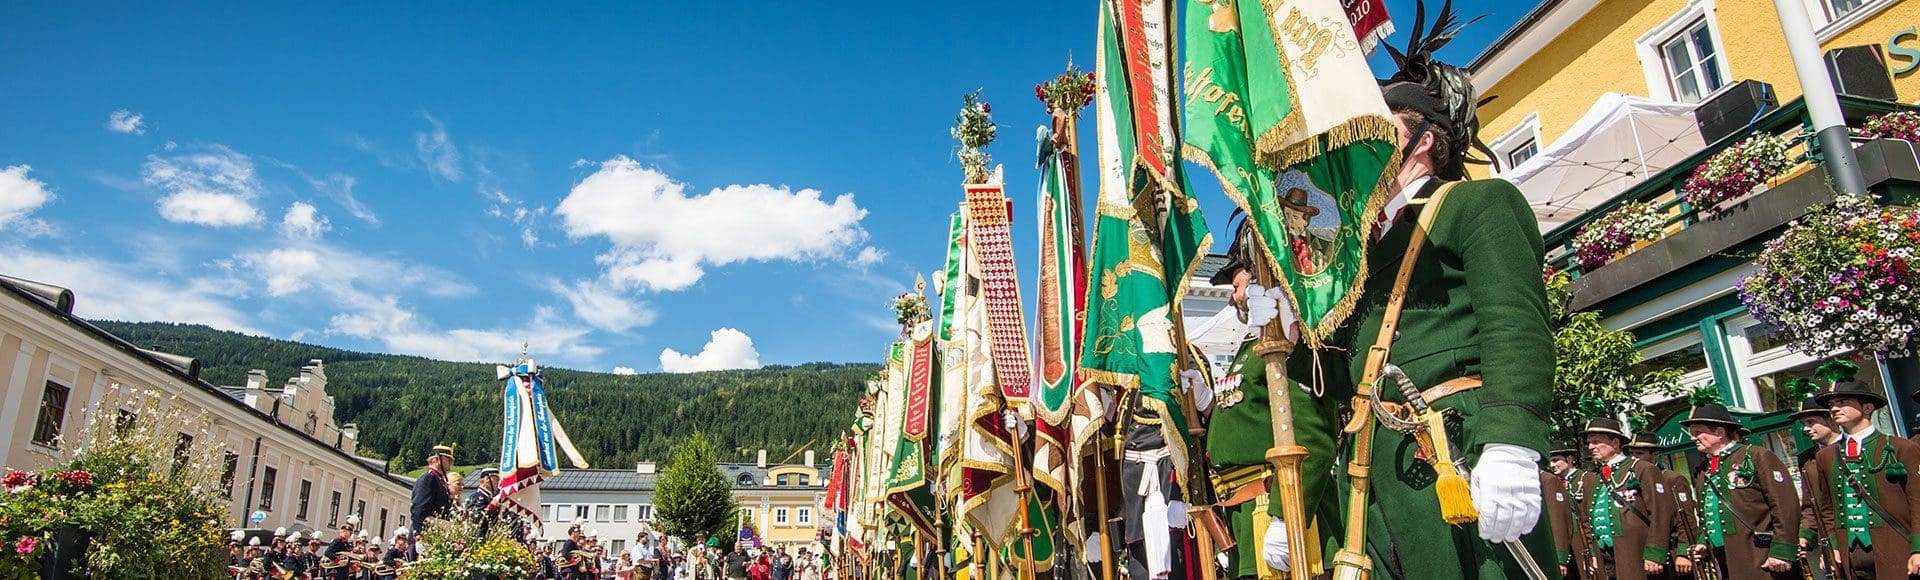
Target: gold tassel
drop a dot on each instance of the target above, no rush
(1456, 501)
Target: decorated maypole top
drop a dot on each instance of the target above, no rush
(529, 439)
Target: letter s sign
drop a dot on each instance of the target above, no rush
(1894, 50)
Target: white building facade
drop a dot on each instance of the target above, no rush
(285, 459)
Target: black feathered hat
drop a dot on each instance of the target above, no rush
(1442, 94)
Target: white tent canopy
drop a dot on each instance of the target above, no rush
(1615, 146)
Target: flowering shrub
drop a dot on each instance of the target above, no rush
(456, 549)
(1068, 92)
(1737, 170)
(974, 129)
(1618, 230)
(1902, 125)
(147, 503)
(1843, 278)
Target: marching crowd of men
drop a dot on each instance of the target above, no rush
(1841, 509)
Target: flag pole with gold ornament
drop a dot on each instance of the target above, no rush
(1280, 98)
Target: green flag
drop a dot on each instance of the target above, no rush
(1148, 233)
(1282, 107)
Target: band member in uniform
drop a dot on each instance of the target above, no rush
(1748, 505)
(1474, 331)
(1863, 490)
(1817, 424)
(397, 556)
(1629, 512)
(1646, 447)
(430, 495)
(568, 557)
(1570, 540)
(1560, 516)
(340, 551)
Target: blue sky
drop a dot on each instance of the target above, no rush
(737, 184)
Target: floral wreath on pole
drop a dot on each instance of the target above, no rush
(1067, 93)
(975, 129)
(1843, 278)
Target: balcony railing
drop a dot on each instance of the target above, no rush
(1662, 190)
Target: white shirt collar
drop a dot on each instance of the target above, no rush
(1863, 435)
(1399, 201)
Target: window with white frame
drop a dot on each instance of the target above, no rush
(602, 513)
(1763, 365)
(779, 516)
(1838, 9)
(1517, 145)
(546, 512)
(620, 513)
(643, 512)
(1695, 67)
(582, 512)
(565, 513)
(805, 517)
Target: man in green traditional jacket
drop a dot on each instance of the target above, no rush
(1473, 334)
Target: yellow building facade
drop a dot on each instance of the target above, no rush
(1550, 69)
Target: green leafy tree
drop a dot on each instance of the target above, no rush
(692, 496)
(1593, 367)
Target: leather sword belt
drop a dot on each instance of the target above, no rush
(1238, 485)
(1438, 392)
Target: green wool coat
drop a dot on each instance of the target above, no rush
(1476, 305)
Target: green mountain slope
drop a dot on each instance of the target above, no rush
(405, 405)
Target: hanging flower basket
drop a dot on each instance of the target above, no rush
(1902, 125)
(1736, 172)
(1843, 278)
(1605, 238)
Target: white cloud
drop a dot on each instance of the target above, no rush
(869, 256)
(124, 121)
(602, 306)
(115, 291)
(437, 151)
(625, 371)
(345, 276)
(339, 188)
(214, 188)
(729, 349)
(401, 331)
(663, 238)
(19, 196)
(367, 294)
(303, 221)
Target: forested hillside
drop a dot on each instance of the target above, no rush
(405, 405)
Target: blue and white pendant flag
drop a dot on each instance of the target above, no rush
(527, 446)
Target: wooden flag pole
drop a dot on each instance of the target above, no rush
(1286, 454)
(1022, 487)
(1100, 494)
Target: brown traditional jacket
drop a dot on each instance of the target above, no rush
(1893, 490)
(1642, 511)
(1753, 482)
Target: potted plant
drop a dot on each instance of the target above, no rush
(1617, 232)
(1902, 125)
(1736, 172)
(1842, 278)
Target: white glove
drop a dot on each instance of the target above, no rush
(1506, 490)
(1094, 548)
(1015, 427)
(1196, 385)
(1275, 548)
(1261, 308)
(1177, 516)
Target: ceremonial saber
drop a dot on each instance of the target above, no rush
(1286, 455)
(1525, 558)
